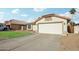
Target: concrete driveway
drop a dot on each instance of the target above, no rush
(36, 42)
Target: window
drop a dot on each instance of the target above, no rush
(29, 26)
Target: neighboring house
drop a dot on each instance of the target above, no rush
(16, 24)
(76, 28)
(52, 24)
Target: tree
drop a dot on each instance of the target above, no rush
(72, 11)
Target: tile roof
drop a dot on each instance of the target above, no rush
(13, 21)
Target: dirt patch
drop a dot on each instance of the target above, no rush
(70, 42)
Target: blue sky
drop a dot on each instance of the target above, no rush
(75, 18)
(28, 14)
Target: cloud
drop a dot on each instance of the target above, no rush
(24, 15)
(2, 16)
(38, 9)
(75, 17)
(2, 20)
(68, 14)
(30, 20)
(65, 14)
(1, 13)
(77, 9)
(15, 11)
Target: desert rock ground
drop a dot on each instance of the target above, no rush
(70, 42)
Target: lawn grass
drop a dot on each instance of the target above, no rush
(12, 34)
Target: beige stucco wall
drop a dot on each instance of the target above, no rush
(54, 19)
(35, 28)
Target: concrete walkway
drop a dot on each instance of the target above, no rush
(36, 42)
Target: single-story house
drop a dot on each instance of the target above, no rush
(16, 24)
(53, 24)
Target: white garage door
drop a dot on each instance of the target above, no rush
(50, 28)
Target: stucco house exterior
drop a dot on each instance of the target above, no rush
(51, 24)
(16, 24)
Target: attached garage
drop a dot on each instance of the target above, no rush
(50, 28)
(51, 24)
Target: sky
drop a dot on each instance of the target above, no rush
(28, 14)
(75, 17)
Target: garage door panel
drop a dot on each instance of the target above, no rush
(51, 28)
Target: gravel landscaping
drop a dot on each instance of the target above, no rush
(70, 42)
